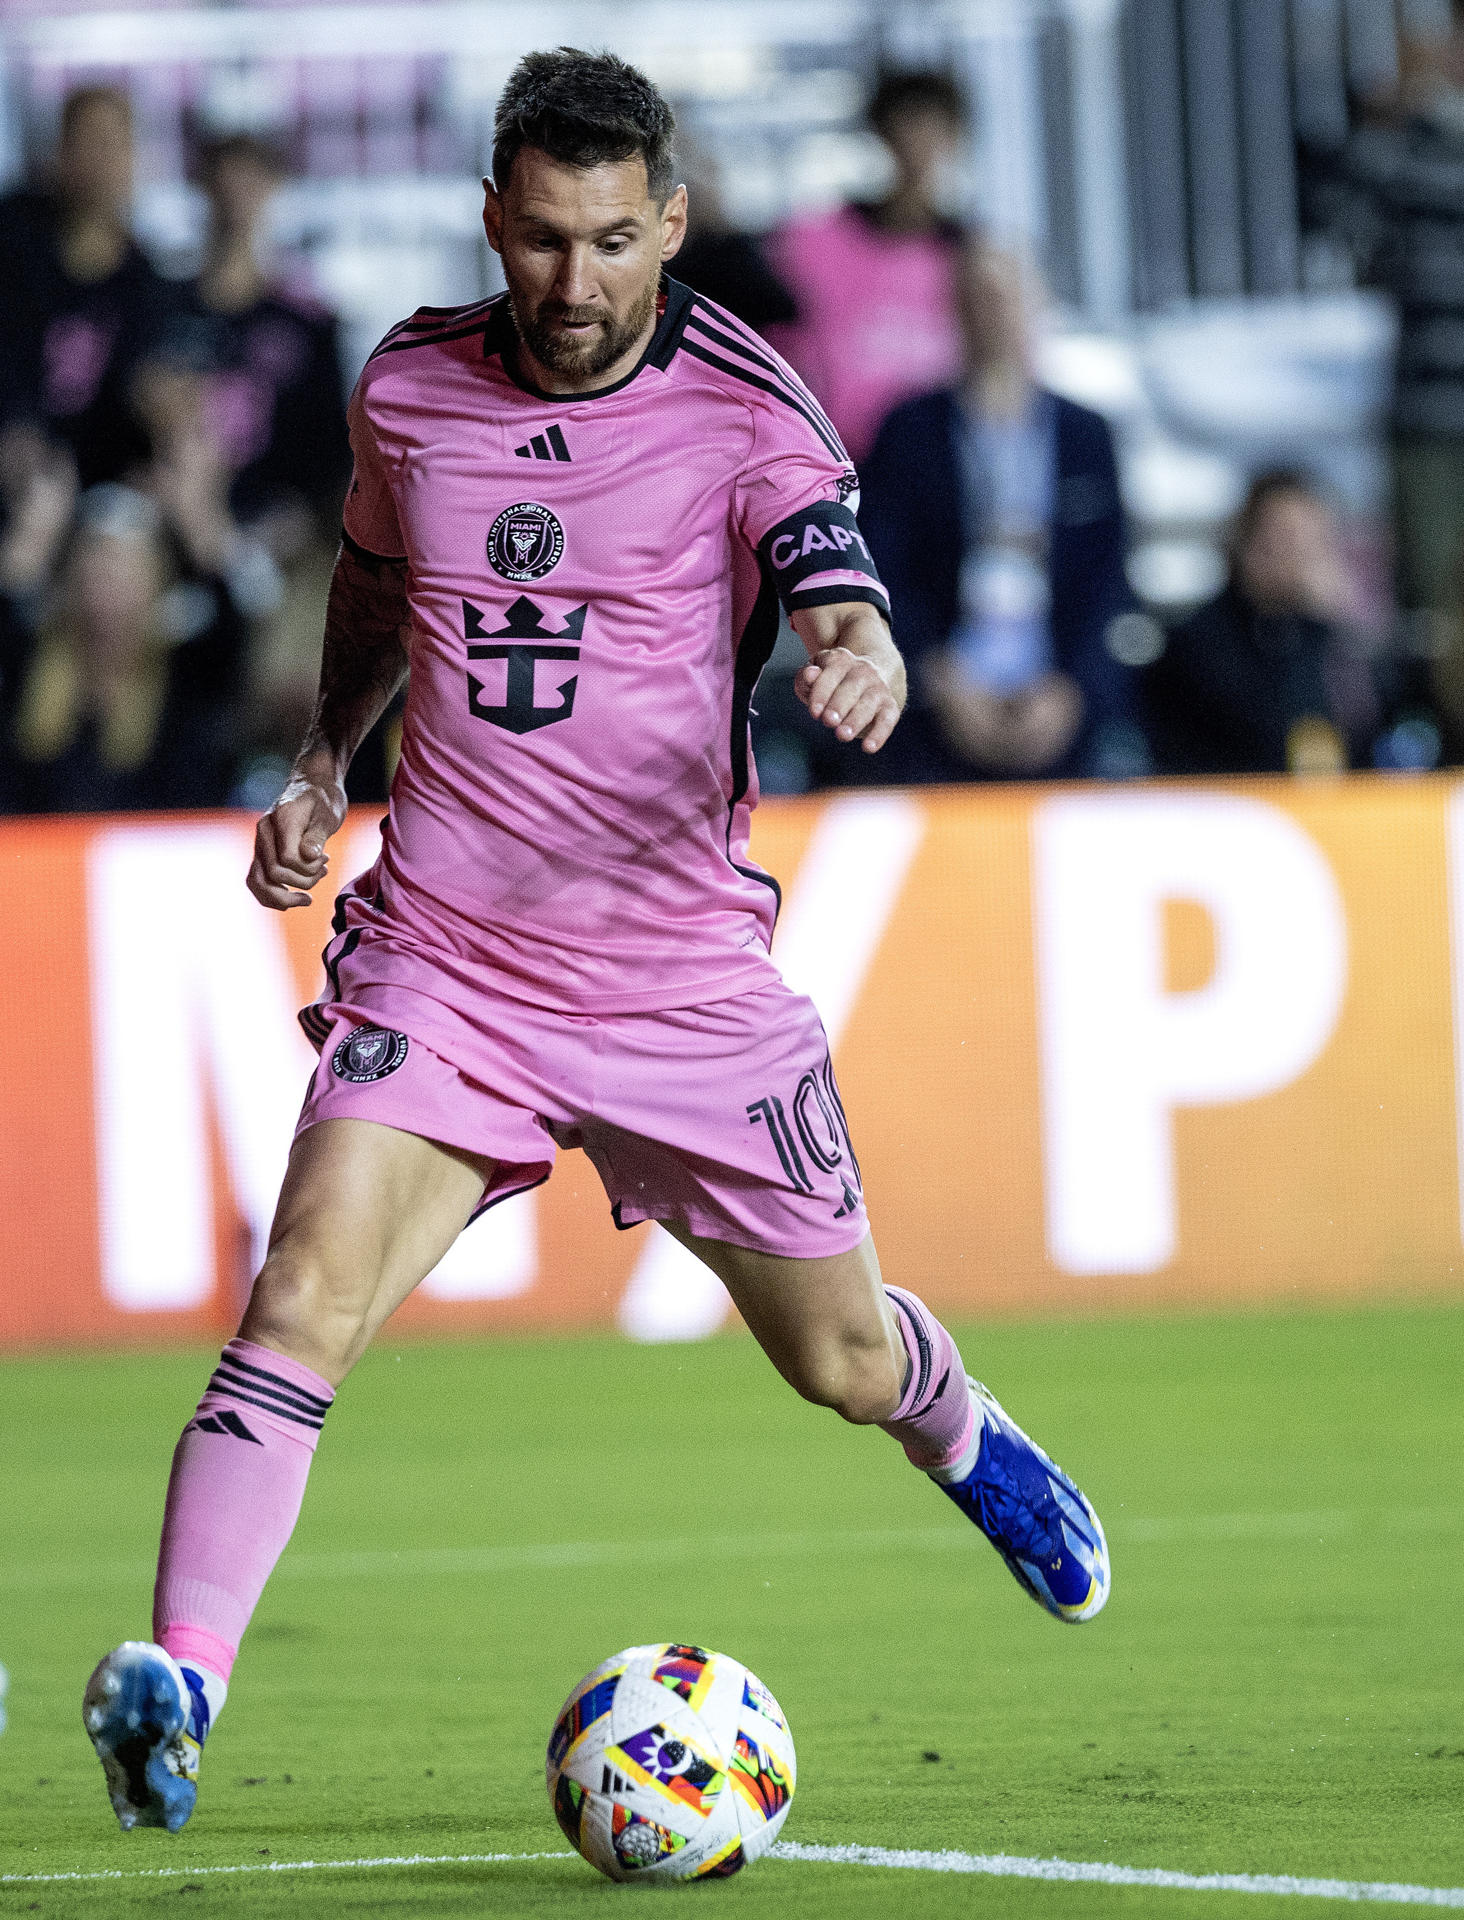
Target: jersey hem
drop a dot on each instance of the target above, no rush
(353, 545)
(756, 971)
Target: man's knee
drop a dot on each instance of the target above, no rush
(858, 1379)
(310, 1306)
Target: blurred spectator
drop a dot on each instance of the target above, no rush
(722, 262)
(82, 305)
(268, 363)
(275, 393)
(874, 284)
(1262, 678)
(994, 514)
(130, 696)
(1394, 198)
(133, 692)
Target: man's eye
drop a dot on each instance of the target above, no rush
(616, 245)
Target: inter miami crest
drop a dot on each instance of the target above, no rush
(370, 1053)
(525, 541)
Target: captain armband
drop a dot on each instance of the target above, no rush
(818, 557)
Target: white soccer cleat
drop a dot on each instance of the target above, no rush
(139, 1714)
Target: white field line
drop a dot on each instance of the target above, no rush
(565, 1555)
(1000, 1865)
(1011, 1867)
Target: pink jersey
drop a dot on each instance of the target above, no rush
(594, 583)
(876, 315)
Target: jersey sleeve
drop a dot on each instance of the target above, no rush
(797, 501)
(370, 521)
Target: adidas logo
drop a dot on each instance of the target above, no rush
(227, 1423)
(851, 1202)
(544, 446)
(611, 1782)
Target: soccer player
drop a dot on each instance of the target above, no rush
(575, 511)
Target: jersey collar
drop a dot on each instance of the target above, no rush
(500, 339)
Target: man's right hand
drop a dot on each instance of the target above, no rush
(289, 842)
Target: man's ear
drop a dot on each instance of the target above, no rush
(673, 223)
(493, 216)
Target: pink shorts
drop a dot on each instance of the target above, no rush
(724, 1119)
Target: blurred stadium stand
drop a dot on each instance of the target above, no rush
(1145, 148)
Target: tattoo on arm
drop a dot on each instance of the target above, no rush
(365, 656)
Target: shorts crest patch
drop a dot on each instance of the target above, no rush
(370, 1053)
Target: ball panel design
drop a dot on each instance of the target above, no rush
(670, 1760)
(756, 1696)
(581, 1711)
(639, 1842)
(728, 1859)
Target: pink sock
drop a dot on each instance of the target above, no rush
(238, 1479)
(934, 1421)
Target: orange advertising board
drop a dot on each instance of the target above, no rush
(1100, 1048)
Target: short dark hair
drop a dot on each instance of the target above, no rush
(583, 109)
(217, 150)
(916, 90)
(1272, 483)
(81, 101)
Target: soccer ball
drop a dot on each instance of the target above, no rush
(670, 1761)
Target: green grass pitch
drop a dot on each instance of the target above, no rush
(1275, 1687)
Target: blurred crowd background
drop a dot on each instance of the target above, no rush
(1143, 321)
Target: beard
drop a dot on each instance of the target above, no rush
(582, 356)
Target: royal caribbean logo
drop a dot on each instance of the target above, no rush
(525, 541)
(535, 684)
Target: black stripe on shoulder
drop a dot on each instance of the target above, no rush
(390, 345)
(443, 316)
(367, 557)
(744, 341)
(667, 339)
(829, 439)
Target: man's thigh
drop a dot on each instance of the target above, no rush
(805, 1314)
(365, 1213)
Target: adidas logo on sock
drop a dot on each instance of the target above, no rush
(544, 446)
(227, 1423)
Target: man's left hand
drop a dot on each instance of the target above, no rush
(855, 680)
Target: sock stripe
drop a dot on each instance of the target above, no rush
(269, 1406)
(223, 1381)
(922, 1348)
(231, 1359)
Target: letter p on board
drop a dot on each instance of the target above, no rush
(1120, 1054)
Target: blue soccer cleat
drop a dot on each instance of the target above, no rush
(1031, 1512)
(147, 1724)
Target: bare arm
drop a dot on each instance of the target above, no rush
(855, 679)
(363, 663)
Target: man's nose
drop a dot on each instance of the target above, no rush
(574, 284)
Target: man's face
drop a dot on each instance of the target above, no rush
(582, 249)
(94, 159)
(1290, 554)
(995, 300)
(920, 139)
(240, 188)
